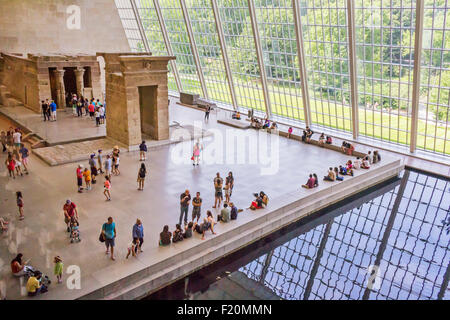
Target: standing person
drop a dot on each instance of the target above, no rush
(102, 114)
(100, 160)
(107, 191)
(116, 160)
(87, 178)
(24, 153)
(196, 153)
(109, 234)
(218, 181)
(80, 178)
(185, 197)
(142, 151)
(91, 109)
(94, 172)
(230, 182)
(58, 270)
(108, 165)
(20, 204)
(70, 211)
(17, 139)
(86, 107)
(11, 165)
(53, 110)
(80, 108)
(196, 207)
(141, 176)
(45, 109)
(138, 235)
(97, 117)
(207, 111)
(3, 140)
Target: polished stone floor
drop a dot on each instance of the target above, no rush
(42, 234)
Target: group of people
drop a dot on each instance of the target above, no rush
(266, 124)
(18, 154)
(92, 108)
(48, 109)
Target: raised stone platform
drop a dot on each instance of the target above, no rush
(241, 124)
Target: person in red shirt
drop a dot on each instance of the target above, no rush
(91, 110)
(11, 165)
(70, 211)
(80, 178)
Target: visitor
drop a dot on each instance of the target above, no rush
(177, 234)
(218, 197)
(322, 140)
(357, 163)
(9, 140)
(3, 224)
(91, 109)
(224, 215)
(138, 235)
(141, 176)
(93, 166)
(207, 111)
(45, 108)
(70, 212)
(11, 165)
(336, 172)
(196, 207)
(74, 104)
(97, 117)
(349, 167)
(165, 236)
(233, 212)
(20, 203)
(331, 175)
(309, 134)
(342, 170)
(310, 183)
(185, 197)
(376, 157)
(344, 147)
(19, 269)
(87, 178)
(236, 115)
(109, 234)
(365, 163)
(229, 180)
(24, 154)
(53, 110)
(79, 108)
(132, 249)
(227, 193)
(17, 139)
(264, 198)
(188, 230)
(289, 132)
(18, 164)
(108, 165)
(196, 153)
(257, 203)
(329, 140)
(3, 140)
(34, 285)
(80, 178)
(100, 160)
(369, 157)
(316, 180)
(350, 149)
(116, 161)
(86, 107)
(142, 151)
(107, 188)
(208, 224)
(58, 269)
(266, 124)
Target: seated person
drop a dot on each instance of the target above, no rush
(177, 234)
(164, 236)
(376, 157)
(304, 136)
(343, 170)
(234, 211)
(188, 230)
(322, 140)
(255, 123)
(349, 167)
(336, 171)
(18, 268)
(309, 134)
(344, 147)
(289, 132)
(329, 140)
(350, 149)
(365, 163)
(310, 183)
(224, 215)
(357, 163)
(274, 125)
(257, 203)
(34, 285)
(316, 180)
(266, 124)
(205, 226)
(236, 115)
(331, 175)
(264, 198)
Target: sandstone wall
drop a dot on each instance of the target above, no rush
(40, 26)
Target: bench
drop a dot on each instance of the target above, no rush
(234, 123)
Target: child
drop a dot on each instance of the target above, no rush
(357, 163)
(342, 170)
(142, 151)
(365, 163)
(289, 132)
(132, 249)
(376, 157)
(116, 161)
(329, 140)
(97, 117)
(100, 160)
(24, 153)
(58, 268)
(11, 164)
(18, 166)
(322, 139)
(107, 192)
(227, 193)
(338, 178)
(20, 204)
(177, 234)
(87, 178)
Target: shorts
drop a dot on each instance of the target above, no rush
(196, 212)
(80, 181)
(109, 243)
(54, 113)
(91, 114)
(17, 144)
(219, 194)
(25, 161)
(116, 166)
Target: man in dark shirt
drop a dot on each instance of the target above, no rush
(218, 181)
(196, 207)
(184, 205)
(45, 109)
(309, 134)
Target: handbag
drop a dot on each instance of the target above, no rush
(101, 238)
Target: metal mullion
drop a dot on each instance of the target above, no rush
(323, 35)
(314, 73)
(416, 75)
(139, 24)
(351, 35)
(332, 65)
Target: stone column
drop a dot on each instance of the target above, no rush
(79, 73)
(60, 90)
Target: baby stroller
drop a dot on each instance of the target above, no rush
(31, 272)
(74, 231)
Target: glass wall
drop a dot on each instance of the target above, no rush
(385, 40)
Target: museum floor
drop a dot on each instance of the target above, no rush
(42, 235)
